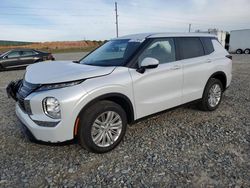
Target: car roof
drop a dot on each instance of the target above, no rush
(142, 36)
(22, 49)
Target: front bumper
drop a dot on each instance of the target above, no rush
(28, 134)
(46, 129)
(37, 133)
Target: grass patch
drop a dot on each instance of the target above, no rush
(69, 50)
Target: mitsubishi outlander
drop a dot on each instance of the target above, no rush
(123, 80)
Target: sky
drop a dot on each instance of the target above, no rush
(63, 20)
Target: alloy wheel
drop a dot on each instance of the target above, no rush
(214, 95)
(106, 129)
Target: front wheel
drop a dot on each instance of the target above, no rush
(102, 126)
(1, 68)
(212, 95)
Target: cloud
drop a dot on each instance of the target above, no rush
(78, 20)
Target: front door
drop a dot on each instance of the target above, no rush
(158, 88)
(12, 59)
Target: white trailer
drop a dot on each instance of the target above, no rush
(239, 41)
(221, 35)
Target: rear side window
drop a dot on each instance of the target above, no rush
(190, 47)
(208, 45)
(27, 53)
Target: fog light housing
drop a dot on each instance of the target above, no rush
(51, 107)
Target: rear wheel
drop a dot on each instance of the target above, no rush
(212, 95)
(239, 51)
(102, 126)
(247, 51)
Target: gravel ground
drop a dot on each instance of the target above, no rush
(183, 147)
(70, 56)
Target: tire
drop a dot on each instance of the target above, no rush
(1, 68)
(208, 102)
(87, 132)
(247, 51)
(239, 51)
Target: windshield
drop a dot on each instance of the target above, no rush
(112, 53)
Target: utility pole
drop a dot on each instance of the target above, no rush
(116, 19)
(189, 28)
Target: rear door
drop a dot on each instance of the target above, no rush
(158, 88)
(196, 67)
(11, 59)
(28, 57)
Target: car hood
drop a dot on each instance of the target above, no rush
(63, 71)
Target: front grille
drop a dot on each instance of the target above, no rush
(21, 103)
(24, 90)
(27, 88)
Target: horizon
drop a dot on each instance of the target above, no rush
(61, 20)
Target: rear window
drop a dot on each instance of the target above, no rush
(208, 45)
(190, 47)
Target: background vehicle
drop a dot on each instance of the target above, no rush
(22, 57)
(124, 80)
(239, 41)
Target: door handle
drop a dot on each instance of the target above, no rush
(175, 67)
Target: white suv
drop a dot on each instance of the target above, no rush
(124, 80)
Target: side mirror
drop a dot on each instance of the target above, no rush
(148, 63)
(6, 57)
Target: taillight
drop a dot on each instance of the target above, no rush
(229, 57)
(50, 57)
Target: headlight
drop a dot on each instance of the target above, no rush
(59, 85)
(51, 107)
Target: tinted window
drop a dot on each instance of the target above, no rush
(208, 46)
(27, 53)
(161, 49)
(190, 47)
(13, 54)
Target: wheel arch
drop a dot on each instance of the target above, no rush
(118, 98)
(220, 75)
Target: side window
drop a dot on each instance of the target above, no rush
(161, 49)
(208, 45)
(14, 54)
(27, 53)
(190, 47)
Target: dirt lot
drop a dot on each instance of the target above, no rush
(60, 46)
(183, 147)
